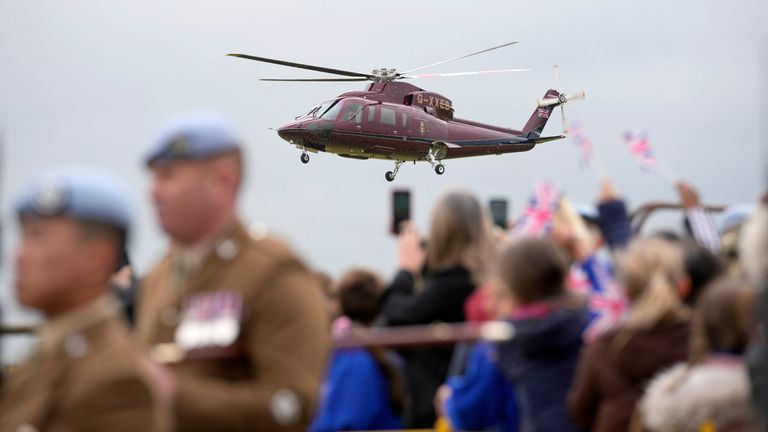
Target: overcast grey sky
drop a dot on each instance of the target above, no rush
(92, 82)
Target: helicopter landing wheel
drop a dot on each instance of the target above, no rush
(304, 158)
(439, 169)
(390, 176)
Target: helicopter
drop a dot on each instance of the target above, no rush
(398, 121)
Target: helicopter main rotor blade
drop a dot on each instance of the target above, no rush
(313, 79)
(303, 66)
(453, 74)
(457, 58)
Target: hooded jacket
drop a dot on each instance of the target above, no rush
(541, 361)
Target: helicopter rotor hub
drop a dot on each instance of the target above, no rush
(385, 74)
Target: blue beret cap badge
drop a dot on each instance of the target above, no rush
(51, 200)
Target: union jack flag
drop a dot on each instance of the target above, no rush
(584, 144)
(594, 279)
(640, 148)
(536, 219)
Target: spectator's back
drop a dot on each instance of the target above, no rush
(542, 357)
(615, 369)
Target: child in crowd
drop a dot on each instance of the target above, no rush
(541, 359)
(363, 389)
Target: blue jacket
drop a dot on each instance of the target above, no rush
(355, 395)
(483, 398)
(541, 361)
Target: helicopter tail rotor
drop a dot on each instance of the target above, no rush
(561, 99)
(541, 114)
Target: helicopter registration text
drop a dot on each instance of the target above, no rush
(433, 101)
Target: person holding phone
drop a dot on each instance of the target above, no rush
(432, 286)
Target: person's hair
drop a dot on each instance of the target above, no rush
(460, 235)
(722, 319)
(533, 270)
(359, 292)
(650, 270)
(326, 284)
(702, 267)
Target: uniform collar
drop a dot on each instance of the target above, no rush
(191, 258)
(54, 332)
(224, 243)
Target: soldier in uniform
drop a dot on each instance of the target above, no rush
(239, 320)
(86, 374)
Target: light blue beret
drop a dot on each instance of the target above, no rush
(80, 193)
(194, 137)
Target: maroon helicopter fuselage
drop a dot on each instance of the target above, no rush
(399, 121)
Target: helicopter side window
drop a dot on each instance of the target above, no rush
(371, 114)
(353, 111)
(404, 118)
(388, 116)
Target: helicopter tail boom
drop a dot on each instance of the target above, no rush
(538, 120)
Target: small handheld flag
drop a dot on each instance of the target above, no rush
(589, 158)
(537, 217)
(584, 144)
(640, 148)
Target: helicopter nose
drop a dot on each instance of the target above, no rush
(290, 132)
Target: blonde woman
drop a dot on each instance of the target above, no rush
(711, 391)
(614, 370)
(458, 254)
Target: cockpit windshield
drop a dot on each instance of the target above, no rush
(323, 110)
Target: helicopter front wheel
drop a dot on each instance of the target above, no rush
(439, 169)
(390, 176)
(304, 158)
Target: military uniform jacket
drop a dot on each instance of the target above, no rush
(85, 376)
(268, 378)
